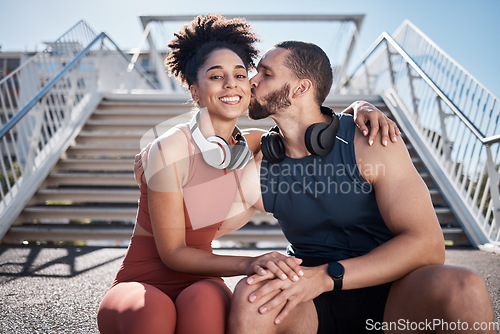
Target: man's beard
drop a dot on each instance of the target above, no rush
(273, 102)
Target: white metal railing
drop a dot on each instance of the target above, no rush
(341, 29)
(45, 102)
(455, 117)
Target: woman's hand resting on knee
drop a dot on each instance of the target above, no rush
(274, 265)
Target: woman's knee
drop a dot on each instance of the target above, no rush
(131, 307)
(206, 292)
(203, 307)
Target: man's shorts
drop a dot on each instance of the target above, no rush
(351, 311)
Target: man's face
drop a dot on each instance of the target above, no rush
(271, 103)
(271, 85)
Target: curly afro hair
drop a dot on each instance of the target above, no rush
(193, 43)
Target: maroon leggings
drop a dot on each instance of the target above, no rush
(147, 297)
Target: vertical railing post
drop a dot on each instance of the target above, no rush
(71, 91)
(391, 68)
(368, 83)
(98, 64)
(343, 70)
(494, 186)
(29, 84)
(136, 55)
(414, 99)
(444, 133)
(159, 67)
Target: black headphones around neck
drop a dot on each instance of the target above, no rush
(319, 139)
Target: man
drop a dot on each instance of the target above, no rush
(365, 227)
(360, 217)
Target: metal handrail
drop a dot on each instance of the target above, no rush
(24, 110)
(170, 85)
(135, 66)
(31, 59)
(388, 39)
(62, 86)
(423, 87)
(407, 24)
(44, 91)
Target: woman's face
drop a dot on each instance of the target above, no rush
(223, 86)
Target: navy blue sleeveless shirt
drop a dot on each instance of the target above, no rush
(326, 209)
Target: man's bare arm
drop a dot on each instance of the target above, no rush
(406, 208)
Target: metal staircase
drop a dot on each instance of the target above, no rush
(91, 194)
(68, 147)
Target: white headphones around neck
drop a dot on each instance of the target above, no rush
(217, 152)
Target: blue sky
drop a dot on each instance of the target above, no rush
(468, 30)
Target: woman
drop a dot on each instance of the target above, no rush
(170, 280)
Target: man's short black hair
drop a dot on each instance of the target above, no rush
(309, 61)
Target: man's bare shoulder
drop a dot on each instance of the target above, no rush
(379, 159)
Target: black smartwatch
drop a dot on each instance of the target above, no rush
(336, 272)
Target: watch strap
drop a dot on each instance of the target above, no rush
(337, 284)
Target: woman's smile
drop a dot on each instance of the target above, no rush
(231, 99)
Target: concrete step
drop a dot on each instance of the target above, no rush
(103, 212)
(417, 162)
(115, 125)
(67, 232)
(455, 236)
(437, 198)
(124, 103)
(73, 232)
(104, 150)
(129, 139)
(140, 114)
(56, 179)
(88, 195)
(76, 212)
(249, 234)
(340, 102)
(35, 224)
(429, 181)
(445, 216)
(96, 164)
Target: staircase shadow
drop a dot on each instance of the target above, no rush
(53, 262)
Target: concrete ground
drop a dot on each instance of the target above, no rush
(58, 289)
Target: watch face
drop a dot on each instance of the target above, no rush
(335, 270)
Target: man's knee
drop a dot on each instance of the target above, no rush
(459, 292)
(239, 301)
(241, 288)
(241, 308)
(453, 282)
(468, 288)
